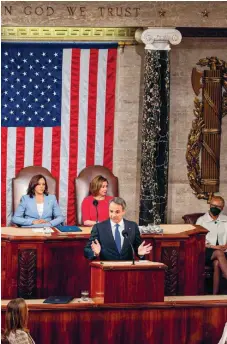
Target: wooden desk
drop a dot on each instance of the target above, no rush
(36, 265)
(182, 249)
(181, 320)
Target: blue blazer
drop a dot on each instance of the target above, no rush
(27, 212)
(103, 232)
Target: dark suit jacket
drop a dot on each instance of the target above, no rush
(103, 233)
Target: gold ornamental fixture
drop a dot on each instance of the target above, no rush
(119, 34)
(203, 148)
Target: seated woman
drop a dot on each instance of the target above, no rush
(16, 322)
(216, 239)
(95, 208)
(38, 208)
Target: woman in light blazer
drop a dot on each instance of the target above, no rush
(38, 208)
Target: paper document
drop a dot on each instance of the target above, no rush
(44, 230)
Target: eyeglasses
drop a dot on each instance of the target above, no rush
(216, 206)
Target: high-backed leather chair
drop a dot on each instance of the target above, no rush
(21, 181)
(192, 218)
(82, 184)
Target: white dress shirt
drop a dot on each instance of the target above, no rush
(217, 228)
(120, 228)
(40, 208)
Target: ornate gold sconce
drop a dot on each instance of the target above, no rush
(205, 135)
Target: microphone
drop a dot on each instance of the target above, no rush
(95, 203)
(125, 235)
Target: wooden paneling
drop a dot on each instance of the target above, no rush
(184, 255)
(61, 268)
(134, 286)
(121, 282)
(157, 323)
(4, 274)
(66, 270)
(27, 277)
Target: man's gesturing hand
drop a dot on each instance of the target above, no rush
(144, 249)
(96, 247)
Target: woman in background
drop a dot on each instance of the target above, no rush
(38, 208)
(16, 322)
(216, 239)
(95, 208)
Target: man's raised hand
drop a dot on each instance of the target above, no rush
(96, 247)
(144, 249)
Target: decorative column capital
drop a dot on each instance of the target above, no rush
(158, 38)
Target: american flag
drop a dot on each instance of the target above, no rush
(57, 112)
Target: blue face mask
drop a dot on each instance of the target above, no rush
(215, 211)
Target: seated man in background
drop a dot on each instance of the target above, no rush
(108, 243)
(216, 239)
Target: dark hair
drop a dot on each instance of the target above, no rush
(16, 316)
(96, 184)
(34, 182)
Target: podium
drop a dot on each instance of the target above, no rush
(120, 281)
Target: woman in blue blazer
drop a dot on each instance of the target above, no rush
(38, 208)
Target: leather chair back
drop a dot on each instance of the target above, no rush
(21, 181)
(192, 218)
(82, 184)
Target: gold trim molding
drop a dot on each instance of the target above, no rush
(126, 34)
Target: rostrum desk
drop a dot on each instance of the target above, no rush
(122, 281)
(36, 265)
(177, 320)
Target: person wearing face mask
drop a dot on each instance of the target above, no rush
(107, 239)
(216, 239)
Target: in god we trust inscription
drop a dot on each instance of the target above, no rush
(72, 11)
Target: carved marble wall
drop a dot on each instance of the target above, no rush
(127, 128)
(128, 125)
(183, 58)
(117, 14)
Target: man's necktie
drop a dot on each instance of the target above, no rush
(118, 237)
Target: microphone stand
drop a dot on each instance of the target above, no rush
(133, 253)
(97, 216)
(125, 235)
(95, 203)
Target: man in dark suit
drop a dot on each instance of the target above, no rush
(108, 243)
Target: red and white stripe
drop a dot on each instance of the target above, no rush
(86, 134)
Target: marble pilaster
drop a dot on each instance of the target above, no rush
(155, 125)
